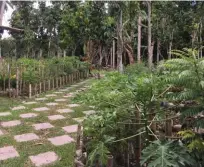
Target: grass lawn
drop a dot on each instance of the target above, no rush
(25, 149)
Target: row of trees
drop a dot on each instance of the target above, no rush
(107, 33)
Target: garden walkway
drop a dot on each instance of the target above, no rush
(42, 131)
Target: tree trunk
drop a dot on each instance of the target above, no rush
(120, 43)
(100, 55)
(40, 53)
(170, 46)
(113, 53)
(201, 41)
(49, 44)
(150, 49)
(139, 39)
(158, 50)
(129, 50)
(64, 53)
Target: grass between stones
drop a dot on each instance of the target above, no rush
(25, 149)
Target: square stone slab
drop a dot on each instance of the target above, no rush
(10, 123)
(69, 95)
(18, 108)
(65, 110)
(51, 104)
(58, 92)
(28, 115)
(26, 137)
(89, 112)
(42, 126)
(60, 100)
(1, 133)
(41, 99)
(4, 114)
(30, 102)
(71, 128)
(55, 117)
(8, 152)
(41, 109)
(51, 95)
(44, 158)
(63, 90)
(73, 105)
(61, 140)
(79, 120)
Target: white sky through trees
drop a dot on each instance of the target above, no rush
(7, 17)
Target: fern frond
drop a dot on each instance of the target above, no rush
(191, 111)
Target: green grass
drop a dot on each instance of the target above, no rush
(25, 149)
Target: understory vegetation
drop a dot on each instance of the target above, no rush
(148, 117)
(34, 71)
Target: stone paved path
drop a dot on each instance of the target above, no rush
(41, 131)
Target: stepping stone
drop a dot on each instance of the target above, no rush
(74, 85)
(73, 105)
(69, 95)
(30, 102)
(44, 158)
(71, 128)
(51, 104)
(51, 95)
(1, 133)
(28, 115)
(18, 108)
(4, 114)
(58, 92)
(55, 117)
(41, 99)
(89, 112)
(26, 137)
(79, 120)
(10, 123)
(63, 90)
(61, 140)
(60, 100)
(66, 110)
(41, 109)
(42, 126)
(8, 152)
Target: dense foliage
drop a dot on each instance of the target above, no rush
(89, 28)
(132, 106)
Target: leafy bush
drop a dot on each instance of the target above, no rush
(119, 98)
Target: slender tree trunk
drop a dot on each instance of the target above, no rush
(40, 53)
(139, 39)
(120, 43)
(138, 138)
(129, 50)
(201, 40)
(113, 53)
(64, 53)
(158, 50)
(49, 44)
(150, 53)
(170, 46)
(100, 55)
